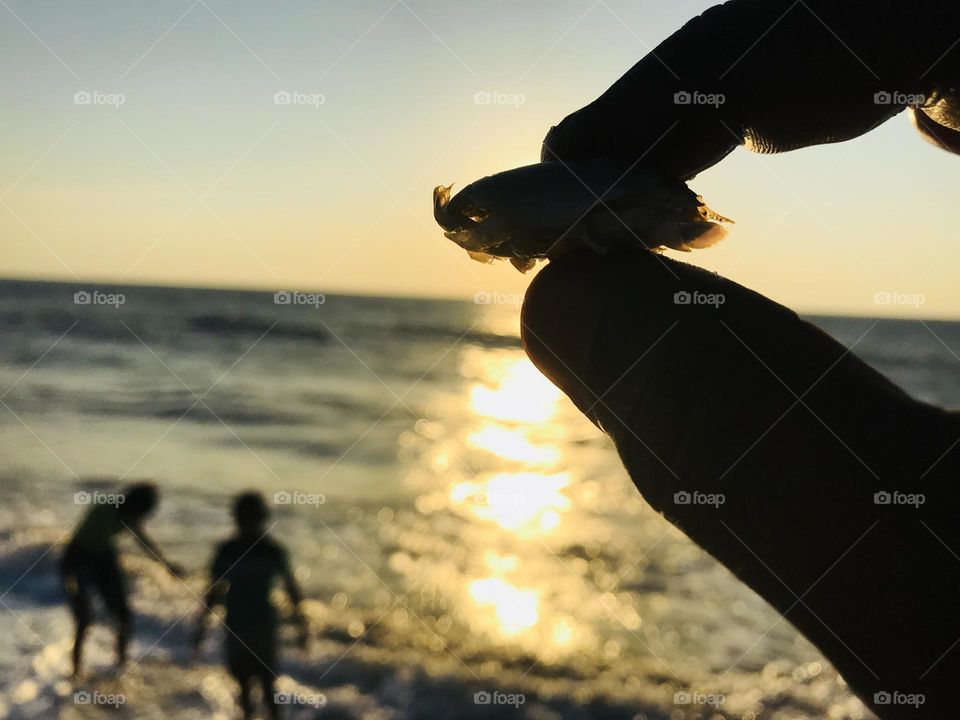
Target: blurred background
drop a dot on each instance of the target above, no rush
(183, 168)
(222, 272)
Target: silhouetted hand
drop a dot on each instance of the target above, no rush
(776, 75)
(767, 442)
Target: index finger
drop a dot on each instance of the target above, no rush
(775, 75)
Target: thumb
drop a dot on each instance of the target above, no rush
(665, 356)
(766, 441)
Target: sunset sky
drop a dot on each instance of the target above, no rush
(182, 168)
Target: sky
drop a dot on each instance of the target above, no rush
(294, 145)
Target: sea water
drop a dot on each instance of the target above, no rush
(469, 545)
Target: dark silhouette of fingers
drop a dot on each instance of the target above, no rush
(770, 445)
(775, 75)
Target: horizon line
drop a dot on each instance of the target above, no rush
(172, 285)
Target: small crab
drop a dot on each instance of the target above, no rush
(540, 211)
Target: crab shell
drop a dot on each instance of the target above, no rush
(543, 210)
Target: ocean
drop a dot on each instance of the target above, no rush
(469, 545)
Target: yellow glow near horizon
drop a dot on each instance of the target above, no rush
(334, 196)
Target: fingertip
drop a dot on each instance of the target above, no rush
(589, 320)
(558, 322)
(546, 152)
(584, 311)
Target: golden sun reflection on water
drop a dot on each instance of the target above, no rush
(510, 401)
(509, 609)
(514, 609)
(528, 503)
(512, 444)
(520, 613)
(520, 488)
(520, 393)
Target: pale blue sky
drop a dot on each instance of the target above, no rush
(200, 178)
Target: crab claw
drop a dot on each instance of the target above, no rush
(466, 239)
(441, 199)
(441, 195)
(523, 264)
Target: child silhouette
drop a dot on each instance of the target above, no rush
(242, 575)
